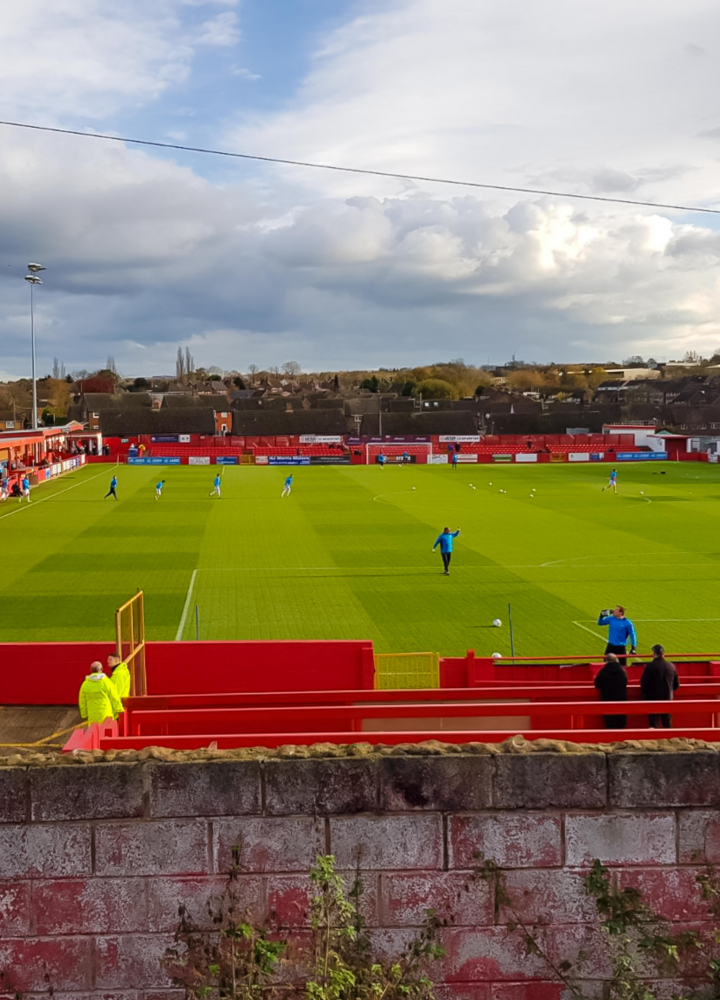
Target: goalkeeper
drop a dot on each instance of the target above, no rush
(621, 631)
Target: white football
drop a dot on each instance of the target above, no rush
(497, 656)
(496, 622)
(413, 487)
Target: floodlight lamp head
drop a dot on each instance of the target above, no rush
(36, 267)
(33, 279)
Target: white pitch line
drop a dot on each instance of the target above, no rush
(586, 629)
(395, 493)
(181, 626)
(51, 497)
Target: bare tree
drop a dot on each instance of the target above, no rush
(291, 368)
(189, 362)
(110, 365)
(180, 365)
(58, 370)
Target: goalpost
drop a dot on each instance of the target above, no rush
(393, 452)
(130, 641)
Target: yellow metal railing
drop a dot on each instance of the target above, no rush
(407, 670)
(130, 641)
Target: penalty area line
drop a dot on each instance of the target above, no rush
(181, 626)
(586, 629)
(395, 493)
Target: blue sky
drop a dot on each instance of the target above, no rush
(248, 263)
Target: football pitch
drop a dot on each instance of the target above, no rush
(348, 556)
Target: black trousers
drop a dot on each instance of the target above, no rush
(446, 557)
(615, 721)
(111, 493)
(656, 721)
(619, 651)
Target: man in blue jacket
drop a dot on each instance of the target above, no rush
(621, 630)
(445, 541)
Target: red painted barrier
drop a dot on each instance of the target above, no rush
(200, 667)
(47, 673)
(186, 667)
(395, 737)
(322, 720)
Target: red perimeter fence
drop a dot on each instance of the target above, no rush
(272, 693)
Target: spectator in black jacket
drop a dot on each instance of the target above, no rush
(659, 681)
(611, 682)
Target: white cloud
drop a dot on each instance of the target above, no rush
(337, 269)
(90, 58)
(506, 93)
(222, 31)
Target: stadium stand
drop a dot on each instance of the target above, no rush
(267, 423)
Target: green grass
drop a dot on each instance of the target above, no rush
(347, 556)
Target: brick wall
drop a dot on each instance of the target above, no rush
(95, 857)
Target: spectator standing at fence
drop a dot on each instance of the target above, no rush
(112, 492)
(98, 699)
(659, 682)
(611, 682)
(445, 540)
(621, 631)
(119, 675)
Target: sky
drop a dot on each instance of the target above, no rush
(246, 262)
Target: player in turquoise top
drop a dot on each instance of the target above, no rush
(159, 489)
(112, 492)
(612, 482)
(287, 487)
(217, 483)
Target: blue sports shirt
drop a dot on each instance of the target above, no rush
(445, 540)
(621, 629)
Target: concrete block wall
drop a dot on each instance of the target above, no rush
(96, 857)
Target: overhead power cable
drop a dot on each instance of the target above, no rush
(363, 170)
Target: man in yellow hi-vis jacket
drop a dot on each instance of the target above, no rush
(98, 699)
(120, 675)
